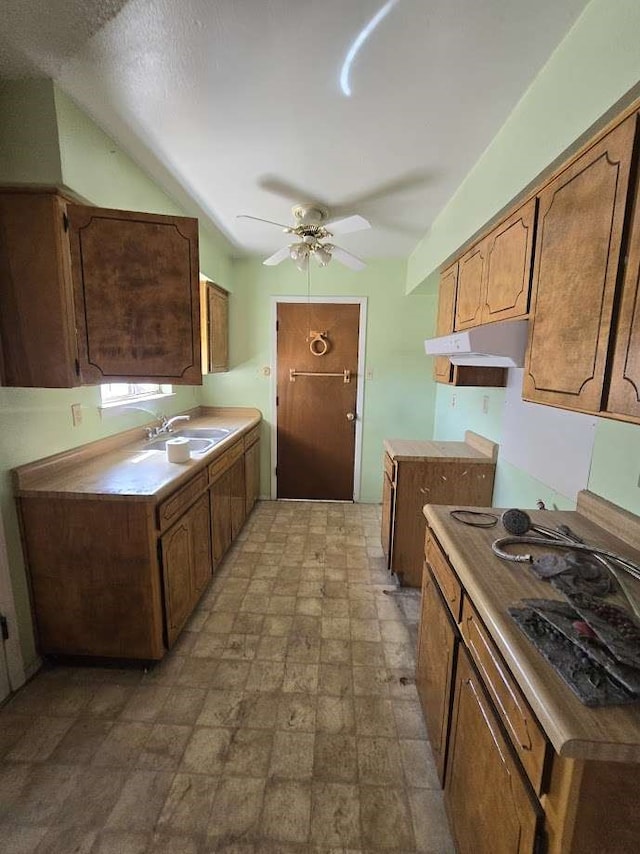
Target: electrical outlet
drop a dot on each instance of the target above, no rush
(76, 414)
(485, 404)
(369, 374)
(453, 401)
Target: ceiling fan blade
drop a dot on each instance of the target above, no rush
(277, 257)
(347, 258)
(259, 219)
(273, 184)
(347, 224)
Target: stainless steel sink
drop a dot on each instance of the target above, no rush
(215, 433)
(201, 439)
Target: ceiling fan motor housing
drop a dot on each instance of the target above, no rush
(310, 214)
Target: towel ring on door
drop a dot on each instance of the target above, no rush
(319, 344)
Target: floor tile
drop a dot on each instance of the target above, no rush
(206, 751)
(286, 814)
(237, 807)
(379, 762)
(296, 713)
(40, 739)
(335, 714)
(141, 801)
(335, 757)
(386, 819)
(292, 756)
(335, 816)
(188, 804)
(248, 753)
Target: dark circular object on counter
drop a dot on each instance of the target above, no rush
(516, 522)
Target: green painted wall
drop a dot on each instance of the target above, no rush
(596, 64)
(398, 400)
(29, 150)
(36, 423)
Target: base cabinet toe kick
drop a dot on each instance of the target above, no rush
(507, 790)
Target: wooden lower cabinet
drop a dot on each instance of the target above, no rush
(119, 577)
(186, 565)
(424, 480)
(488, 801)
(437, 645)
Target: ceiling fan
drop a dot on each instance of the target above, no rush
(313, 225)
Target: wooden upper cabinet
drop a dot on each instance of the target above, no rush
(509, 254)
(469, 300)
(136, 290)
(579, 237)
(214, 306)
(107, 296)
(443, 369)
(624, 389)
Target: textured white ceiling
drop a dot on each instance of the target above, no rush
(239, 100)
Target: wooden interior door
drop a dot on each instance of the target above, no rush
(316, 412)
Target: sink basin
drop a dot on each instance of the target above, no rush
(216, 433)
(196, 446)
(201, 439)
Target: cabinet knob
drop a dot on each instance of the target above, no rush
(351, 416)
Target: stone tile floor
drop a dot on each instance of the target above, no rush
(285, 719)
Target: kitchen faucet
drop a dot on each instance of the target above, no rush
(165, 425)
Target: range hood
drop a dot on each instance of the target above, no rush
(500, 345)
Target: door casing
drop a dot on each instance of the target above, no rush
(357, 461)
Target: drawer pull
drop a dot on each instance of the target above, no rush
(484, 714)
(524, 745)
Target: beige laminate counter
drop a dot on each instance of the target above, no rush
(606, 734)
(122, 465)
(475, 449)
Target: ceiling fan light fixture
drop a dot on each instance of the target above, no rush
(299, 254)
(322, 255)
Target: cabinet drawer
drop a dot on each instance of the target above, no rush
(389, 467)
(520, 723)
(183, 498)
(251, 437)
(225, 462)
(444, 575)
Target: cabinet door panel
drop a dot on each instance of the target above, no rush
(137, 295)
(252, 475)
(37, 326)
(489, 806)
(238, 497)
(221, 516)
(218, 309)
(177, 561)
(442, 369)
(508, 267)
(434, 670)
(469, 299)
(200, 522)
(580, 223)
(624, 391)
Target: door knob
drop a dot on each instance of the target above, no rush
(351, 416)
